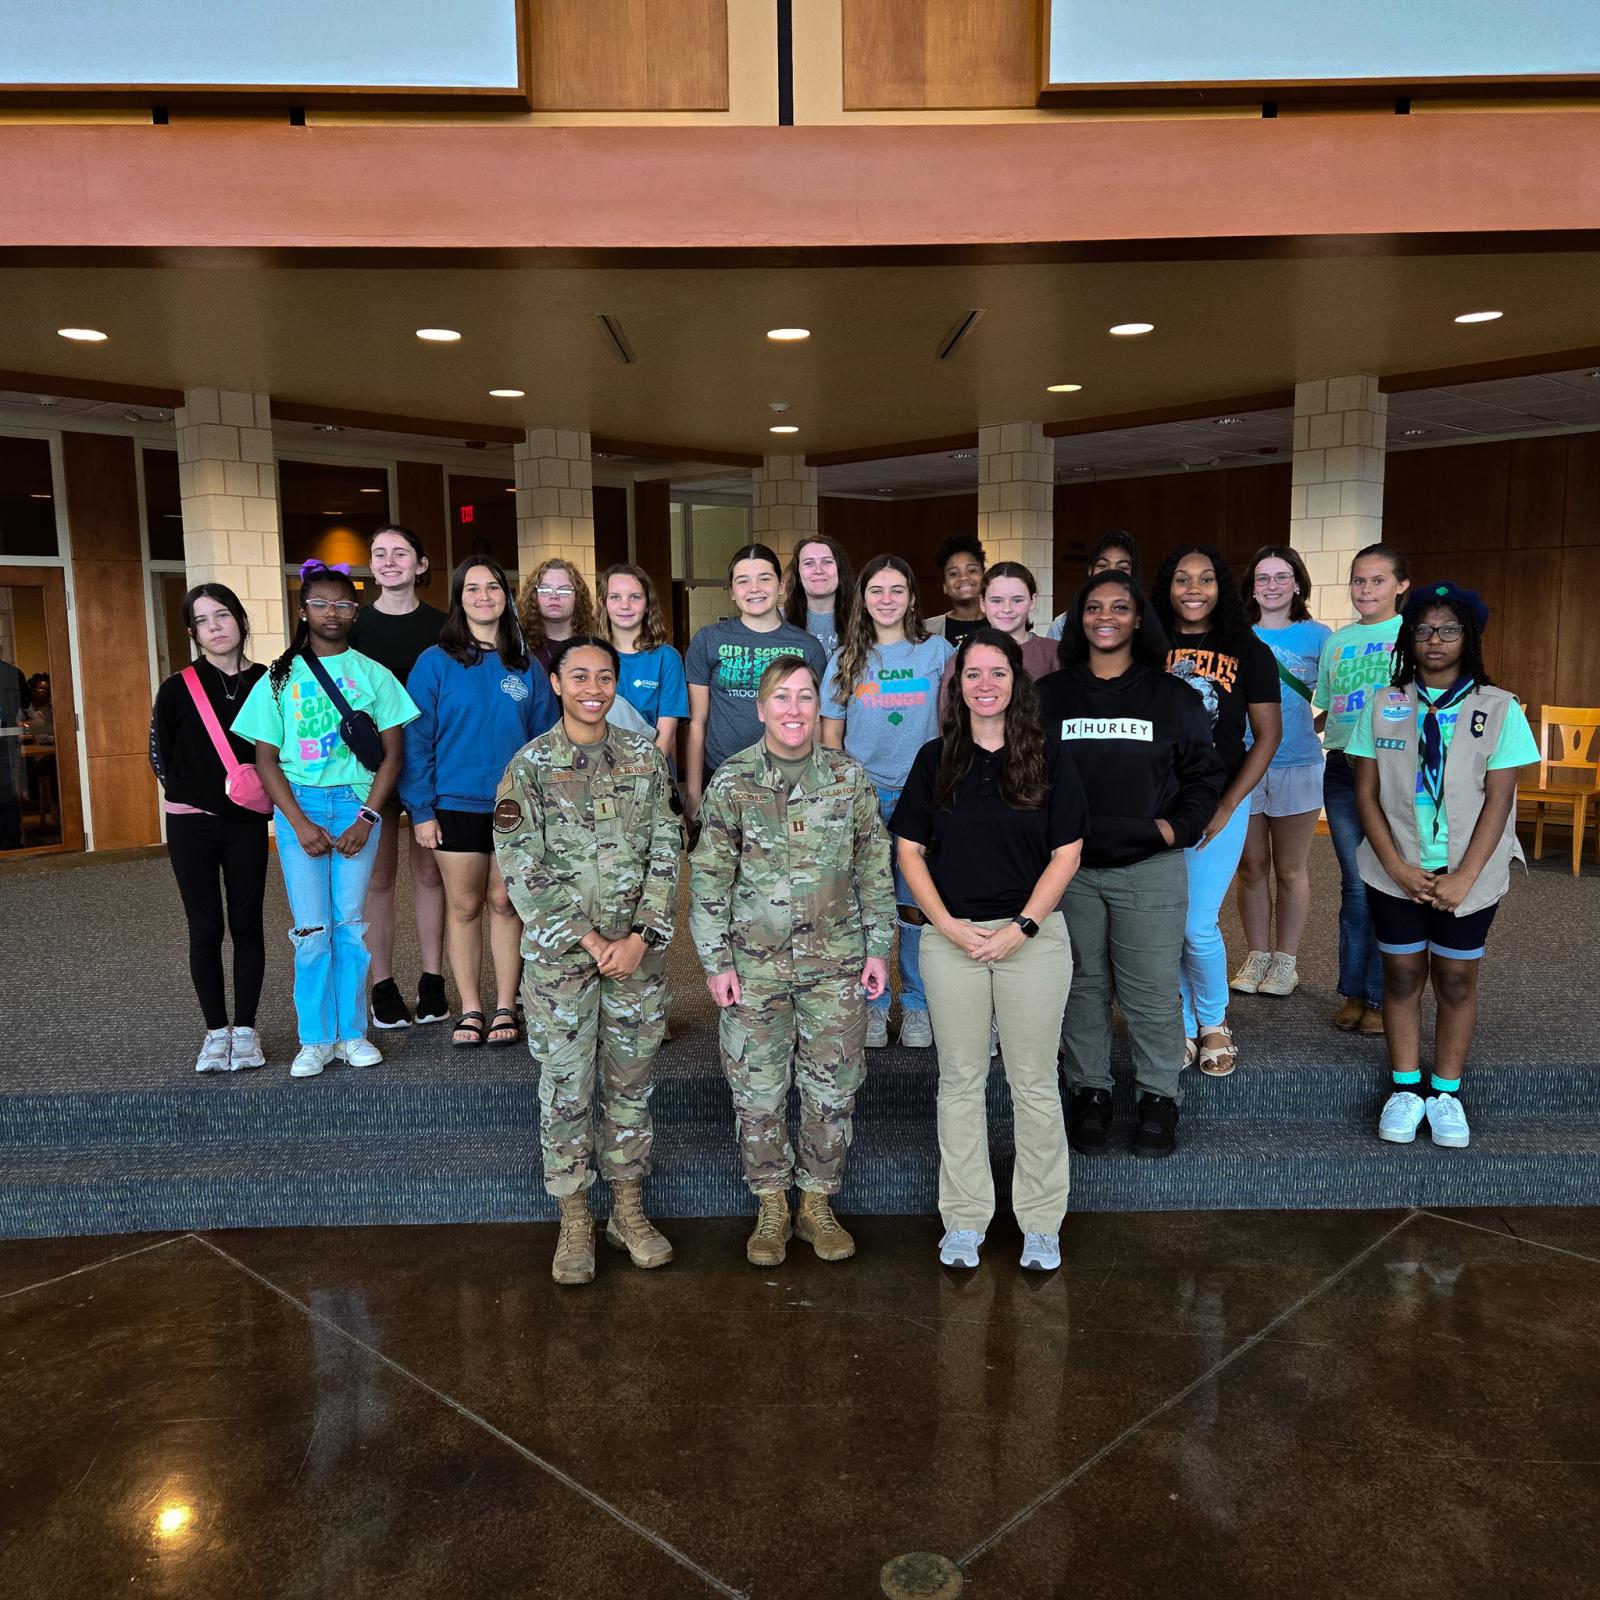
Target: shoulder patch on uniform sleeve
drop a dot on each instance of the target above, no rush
(507, 815)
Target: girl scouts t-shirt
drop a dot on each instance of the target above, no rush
(894, 710)
(303, 723)
(1297, 650)
(1516, 747)
(1355, 662)
(728, 659)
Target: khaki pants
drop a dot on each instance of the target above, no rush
(1026, 994)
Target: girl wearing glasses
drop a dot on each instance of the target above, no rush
(1285, 804)
(555, 603)
(328, 809)
(1436, 757)
(394, 630)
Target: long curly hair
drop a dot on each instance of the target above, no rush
(456, 638)
(652, 630)
(532, 619)
(1405, 651)
(1022, 776)
(795, 603)
(1227, 621)
(1150, 642)
(856, 646)
(311, 577)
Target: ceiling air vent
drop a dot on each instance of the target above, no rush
(611, 331)
(952, 340)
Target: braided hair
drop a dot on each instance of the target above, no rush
(311, 573)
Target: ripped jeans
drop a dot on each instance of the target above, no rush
(327, 897)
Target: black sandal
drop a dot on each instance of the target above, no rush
(465, 1024)
(497, 1026)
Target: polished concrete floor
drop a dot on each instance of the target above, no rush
(1247, 1404)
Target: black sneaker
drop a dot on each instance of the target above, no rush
(1157, 1134)
(432, 1005)
(1089, 1121)
(388, 1009)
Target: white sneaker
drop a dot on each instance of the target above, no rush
(916, 1030)
(1041, 1250)
(994, 1037)
(1448, 1122)
(1247, 980)
(1281, 977)
(877, 1028)
(358, 1052)
(311, 1060)
(1401, 1116)
(246, 1050)
(959, 1248)
(213, 1055)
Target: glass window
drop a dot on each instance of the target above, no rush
(483, 522)
(30, 798)
(27, 499)
(330, 512)
(173, 646)
(163, 506)
(715, 533)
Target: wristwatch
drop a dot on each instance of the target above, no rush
(367, 814)
(653, 937)
(1028, 925)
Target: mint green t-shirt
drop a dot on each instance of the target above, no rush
(1516, 747)
(303, 723)
(1356, 660)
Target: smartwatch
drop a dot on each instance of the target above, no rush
(653, 937)
(1028, 925)
(367, 814)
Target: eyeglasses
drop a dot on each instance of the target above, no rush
(340, 608)
(547, 591)
(1272, 580)
(1449, 632)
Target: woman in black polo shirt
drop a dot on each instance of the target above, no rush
(988, 831)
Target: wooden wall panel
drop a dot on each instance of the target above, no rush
(610, 527)
(1536, 503)
(1521, 645)
(652, 543)
(1581, 517)
(1578, 646)
(629, 55)
(941, 54)
(113, 644)
(1446, 500)
(919, 527)
(419, 505)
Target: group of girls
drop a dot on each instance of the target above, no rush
(1032, 888)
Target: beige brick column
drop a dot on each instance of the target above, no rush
(555, 499)
(1336, 501)
(1016, 503)
(229, 486)
(783, 503)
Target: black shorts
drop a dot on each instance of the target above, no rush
(466, 832)
(1406, 929)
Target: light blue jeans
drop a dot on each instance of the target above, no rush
(912, 995)
(1204, 979)
(327, 900)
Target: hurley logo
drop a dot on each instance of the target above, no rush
(1106, 728)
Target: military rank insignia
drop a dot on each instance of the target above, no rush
(604, 810)
(797, 825)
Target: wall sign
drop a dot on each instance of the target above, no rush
(1220, 52)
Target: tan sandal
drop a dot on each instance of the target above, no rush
(1218, 1060)
(1191, 1049)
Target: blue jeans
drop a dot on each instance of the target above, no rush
(1203, 983)
(327, 900)
(1360, 965)
(912, 996)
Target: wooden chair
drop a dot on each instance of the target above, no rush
(1569, 775)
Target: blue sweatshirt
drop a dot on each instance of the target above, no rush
(472, 721)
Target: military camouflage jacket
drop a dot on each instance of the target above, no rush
(587, 840)
(791, 885)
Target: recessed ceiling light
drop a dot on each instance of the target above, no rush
(783, 427)
(886, 491)
(507, 394)
(511, 488)
(38, 497)
(83, 335)
(173, 516)
(1082, 469)
(1064, 388)
(1229, 422)
(788, 335)
(372, 491)
(329, 427)
(1480, 316)
(1413, 433)
(962, 455)
(1126, 330)
(333, 513)
(438, 335)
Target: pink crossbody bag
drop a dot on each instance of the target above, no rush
(243, 783)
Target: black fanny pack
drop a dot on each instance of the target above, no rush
(357, 729)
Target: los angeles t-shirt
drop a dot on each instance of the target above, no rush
(728, 658)
(894, 709)
(1228, 684)
(303, 723)
(1355, 661)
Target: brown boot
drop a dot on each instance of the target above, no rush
(764, 1248)
(1348, 1016)
(574, 1260)
(631, 1230)
(818, 1226)
(1371, 1021)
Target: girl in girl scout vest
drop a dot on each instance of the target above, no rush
(1436, 757)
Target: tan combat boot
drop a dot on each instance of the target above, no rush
(631, 1230)
(574, 1261)
(818, 1226)
(764, 1248)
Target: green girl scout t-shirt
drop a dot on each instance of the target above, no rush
(1355, 662)
(304, 723)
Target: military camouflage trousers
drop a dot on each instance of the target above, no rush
(812, 1034)
(576, 1018)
